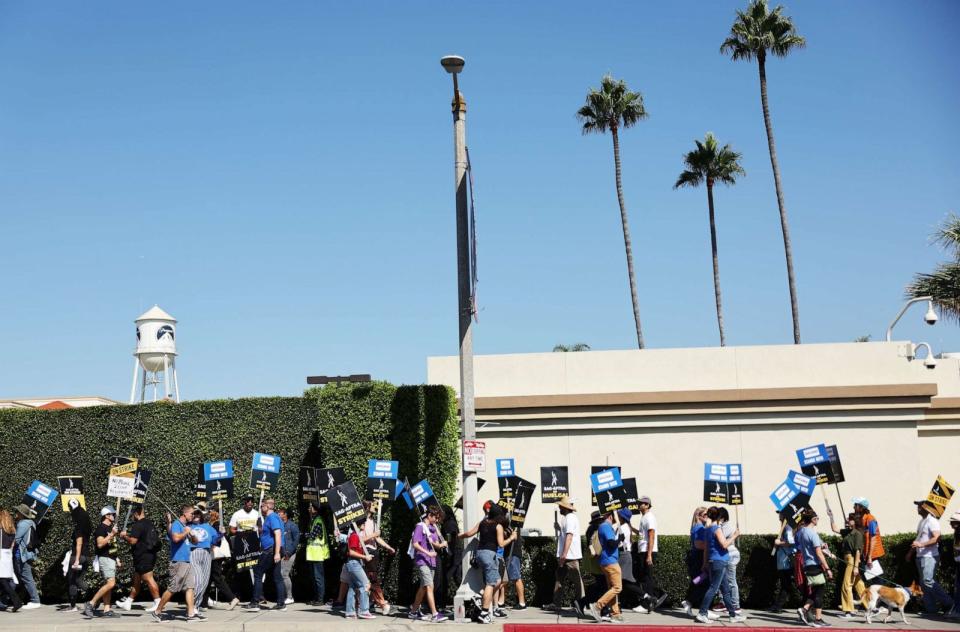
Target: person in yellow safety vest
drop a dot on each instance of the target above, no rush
(318, 551)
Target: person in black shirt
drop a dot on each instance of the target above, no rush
(105, 544)
(143, 537)
(76, 585)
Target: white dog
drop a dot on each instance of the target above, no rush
(894, 597)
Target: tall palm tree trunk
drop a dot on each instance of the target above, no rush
(626, 236)
(784, 226)
(716, 264)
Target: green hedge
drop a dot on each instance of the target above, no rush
(756, 573)
(332, 426)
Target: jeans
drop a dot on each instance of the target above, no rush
(357, 584)
(319, 581)
(614, 586)
(730, 582)
(933, 594)
(646, 577)
(265, 564)
(718, 573)
(25, 573)
(286, 566)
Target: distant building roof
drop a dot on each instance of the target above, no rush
(57, 403)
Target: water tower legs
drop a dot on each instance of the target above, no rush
(133, 387)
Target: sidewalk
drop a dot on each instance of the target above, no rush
(302, 618)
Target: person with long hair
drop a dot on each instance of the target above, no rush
(491, 536)
(814, 568)
(376, 546)
(698, 587)
(8, 540)
(226, 599)
(784, 552)
(79, 540)
(716, 559)
(730, 532)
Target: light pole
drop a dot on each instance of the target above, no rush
(453, 64)
(930, 317)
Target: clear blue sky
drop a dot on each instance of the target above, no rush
(279, 178)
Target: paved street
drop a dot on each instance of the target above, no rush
(301, 618)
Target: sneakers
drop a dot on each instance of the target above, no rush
(233, 604)
(198, 616)
(659, 602)
(438, 618)
(593, 611)
(280, 607)
(125, 604)
(687, 607)
(32, 605)
(577, 606)
(289, 601)
(702, 619)
(252, 607)
(156, 603)
(849, 616)
(350, 616)
(385, 610)
(110, 614)
(159, 617)
(820, 623)
(713, 616)
(364, 615)
(486, 618)
(737, 619)
(803, 616)
(413, 614)
(641, 610)
(87, 611)
(520, 606)
(500, 612)
(605, 618)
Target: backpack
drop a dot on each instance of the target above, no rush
(151, 540)
(33, 542)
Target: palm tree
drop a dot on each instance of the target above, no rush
(943, 284)
(577, 346)
(756, 32)
(611, 107)
(711, 163)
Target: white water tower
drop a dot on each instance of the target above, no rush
(156, 353)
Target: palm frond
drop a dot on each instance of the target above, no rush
(943, 284)
(611, 105)
(758, 30)
(711, 163)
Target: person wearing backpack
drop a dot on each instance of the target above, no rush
(145, 544)
(27, 546)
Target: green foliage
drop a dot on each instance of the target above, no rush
(756, 573)
(710, 163)
(339, 425)
(577, 346)
(758, 30)
(943, 284)
(611, 106)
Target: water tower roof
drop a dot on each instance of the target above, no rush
(155, 313)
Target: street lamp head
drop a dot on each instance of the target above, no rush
(931, 316)
(452, 63)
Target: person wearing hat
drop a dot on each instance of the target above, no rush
(648, 549)
(318, 552)
(569, 554)
(872, 541)
(955, 524)
(26, 547)
(925, 550)
(244, 519)
(106, 550)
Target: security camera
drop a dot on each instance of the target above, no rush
(931, 316)
(930, 362)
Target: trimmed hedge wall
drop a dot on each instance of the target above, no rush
(337, 425)
(756, 573)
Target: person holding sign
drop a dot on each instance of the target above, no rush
(146, 544)
(105, 543)
(318, 552)
(851, 552)
(491, 537)
(567, 527)
(648, 547)
(873, 542)
(925, 550)
(180, 577)
(77, 569)
(610, 567)
(26, 549)
(203, 537)
(716, 559)
(271, 552)
(426, 544)
(357, 584)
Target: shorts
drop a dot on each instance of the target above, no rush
(513, 568)
(144, 564)
(425, 575)
(108, 567)
(180, 578)
(489, 566)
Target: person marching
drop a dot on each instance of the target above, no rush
(873, 542)
(925, 550)
(357, 585)
(8, 541)
(226, 599)
(426, 543)
(318, 552)
(569, 552)
(955, 524)
(715, 560)
(610, 566)
(698, 543)
(271, 552)
(785, 552)
(77, 565)
(851, 553)
(247, 518)
(145, 544)
(373, 543)
(291, 541)
(203, 537)
(491, 537)
(27, 554)
(180, 577)
(814, 567)
(105, 544)
(648, 547)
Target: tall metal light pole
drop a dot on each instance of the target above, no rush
(453, 64)
(930, 317)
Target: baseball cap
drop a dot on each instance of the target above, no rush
(625, 515)
(955, 517)
(106, 511)
(645, 499)
(247, 497)
(863, 502)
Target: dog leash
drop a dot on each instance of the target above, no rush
(874, 578)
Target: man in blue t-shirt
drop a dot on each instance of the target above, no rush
(271, 552)
(181, 575)
(609, 560)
